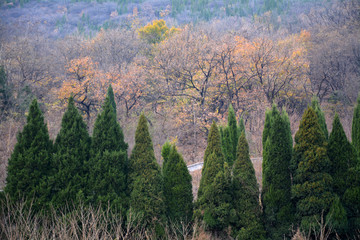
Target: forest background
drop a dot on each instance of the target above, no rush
(183, 71)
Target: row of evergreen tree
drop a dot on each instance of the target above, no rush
(96, 170)
(316, 179)
(311, 185)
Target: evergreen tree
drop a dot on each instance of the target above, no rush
(312, 183)
(344, 161)
(247, 224)
(342, 156)
(321, 117)
(211, 168)
(146, 183)
(30, 164)
(214, 195)
(177, 187)
(276, 190)
(71, 153)
(107, 134)
(107, 166)
(216, 202)
(355, 130)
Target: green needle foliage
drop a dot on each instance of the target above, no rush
(229, 137)
(165, 152)
(342, 156)
(312, 183)
(107, 134)
(266, 143)
(343, 159)
(110, 94)
(267, 126)
(355, 130)
(72, 147)
(351, 200)
(108, 161)
(216, 202)
(276, 190)
(214, 195)
(30, 164)
(146, 183)
(214, 165)
(321, 117)
(241, 127)
(177, 186)
(247, 224)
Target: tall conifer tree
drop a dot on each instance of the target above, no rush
(211, 168)
(30, 164)
(312, 183)
(177, 187)
(146, 183)
(72, 147)
(355, 130)
(276, 190)
(342, 156)
(214, 196)
(247, 224)
(107, 182)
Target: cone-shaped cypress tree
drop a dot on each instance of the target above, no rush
(177, 187)
(321, 117)
(30, 164)
(72, 147)
(276, 189)
(342, 156)
(312, 188)
(355, 130)
(107, 134)
(215, 204)
(107, 166)
(214, 165)
(246, 195)
(146, 183)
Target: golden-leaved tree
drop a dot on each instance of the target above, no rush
(85, 83)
